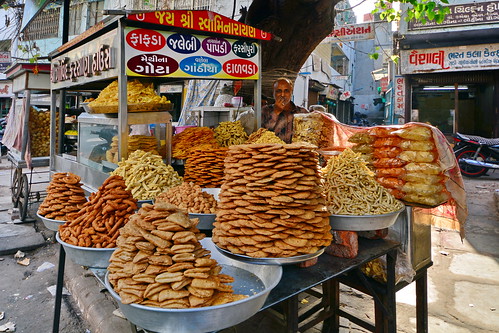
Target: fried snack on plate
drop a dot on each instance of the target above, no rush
(174, 271)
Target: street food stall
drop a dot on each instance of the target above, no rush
(26, 134)
(274, 207)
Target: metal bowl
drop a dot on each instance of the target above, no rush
(49, 223)
(253, 280)
(205, 220)
(86, 256)
(271, 261)
(364, 222)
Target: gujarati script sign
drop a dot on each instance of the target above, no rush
(201, 20)
(450, 59)
(351, 32)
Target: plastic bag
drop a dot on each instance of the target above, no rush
(387, 141)
(391, 182)
(426, 168)
(307, 127)
(422, 178)
(422, 189)
(420, 133)
(417, 145)
(388, 163)
(387, 152)
(389, 172)
(381, 131)
(361, 138)
(248, 120)
(363, 148)
(376, 269)
(418, 156)
(432, 200)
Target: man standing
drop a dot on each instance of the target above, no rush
(278, 117)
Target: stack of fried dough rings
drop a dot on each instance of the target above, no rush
(271, 203)
(65, 197)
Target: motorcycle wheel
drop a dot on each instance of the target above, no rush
(471, 170)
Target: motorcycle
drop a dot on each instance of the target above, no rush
(475, 154)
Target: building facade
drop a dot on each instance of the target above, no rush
(449, 72)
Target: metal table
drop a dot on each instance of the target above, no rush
(296, 280)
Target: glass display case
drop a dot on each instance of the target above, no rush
(98, 137)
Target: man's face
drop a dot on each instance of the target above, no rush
(282, 94)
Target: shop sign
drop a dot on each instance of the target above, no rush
(90, 65)
(464, 14)
(201, 20)
(332, 93)
(5, 89)
(181, 55)
(399, 96)
(450, 59)
(345, 95)
(351, 32)
(4, 61)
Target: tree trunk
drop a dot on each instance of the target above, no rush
(300, 24)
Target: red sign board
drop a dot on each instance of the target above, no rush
(201, 20)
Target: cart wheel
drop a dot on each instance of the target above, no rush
(15, 187)
(23, 201)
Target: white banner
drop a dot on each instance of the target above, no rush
(399, 96)
(351, 32)
(450, 59)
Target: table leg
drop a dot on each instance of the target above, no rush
(58, 290)
(332, 323)
(422, 303)
(291, 314)
(391, 303)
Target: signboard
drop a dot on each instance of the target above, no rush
(84, 63)
(399, 96)
(450, 59)
(180, 55)
(6, 89)
(464, 14)
(4, 61)
(201, 20)
(351, 32)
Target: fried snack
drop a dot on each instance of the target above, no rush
(167, 270)
(191, 138)
(136, 93)
(271, 203)
(229, 133)
(205, 167)
(64, 197)
(190, 197)
(351, 188)
(39, 132)
(307, 127)
(98, 222)
(146, 175)
(263, 135)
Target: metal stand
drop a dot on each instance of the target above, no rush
(58, 290)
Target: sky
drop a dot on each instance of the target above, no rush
(361, 7)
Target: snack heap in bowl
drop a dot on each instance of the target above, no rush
(189, 197)
(137, 93)
(146, 175)
(351, 189)
(160, 262)
(205, 167)
(271, 203)
(98, 222)
(65, 197)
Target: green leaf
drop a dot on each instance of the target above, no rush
(374, 56)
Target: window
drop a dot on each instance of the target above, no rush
(90, 11)
(44, 25)
(192, 4)
(339, 61)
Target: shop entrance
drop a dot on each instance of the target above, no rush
(464, 102)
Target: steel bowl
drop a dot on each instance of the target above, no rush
(253, 280)
(271, 261)
(86, 256)
(363, 222)
(205, 220)
(50, 223)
